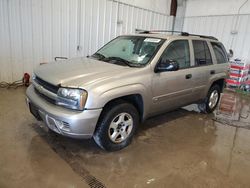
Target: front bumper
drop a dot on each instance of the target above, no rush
(70, 123)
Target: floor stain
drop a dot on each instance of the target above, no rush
(183, 148)
(234, 110)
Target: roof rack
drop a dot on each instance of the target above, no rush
(203, 36)
(140, 31)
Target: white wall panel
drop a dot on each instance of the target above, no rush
(216, 7)
(219, 19)
(16, 39)
(5, 44)
(103, 20)
(161, 6)
(35, 31)
(26, 33)
(221, 27)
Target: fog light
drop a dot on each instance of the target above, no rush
(62, 125)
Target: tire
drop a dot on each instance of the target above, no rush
(116, 126)
(211, 101)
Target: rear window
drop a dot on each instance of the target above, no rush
(201, 53)
(220, 52)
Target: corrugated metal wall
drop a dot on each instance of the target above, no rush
(35, 31)
(114, 18)
(223, 27)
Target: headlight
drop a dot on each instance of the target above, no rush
(72, 98)
(33, 76)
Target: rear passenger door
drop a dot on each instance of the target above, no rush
(202, 68)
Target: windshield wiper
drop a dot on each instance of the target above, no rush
(99, 56)
(119, 59)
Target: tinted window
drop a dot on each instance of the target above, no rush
(178, 51)
(220, 53)
(201, 53)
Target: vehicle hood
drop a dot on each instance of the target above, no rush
(79, 72)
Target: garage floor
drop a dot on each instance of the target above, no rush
(179, 149)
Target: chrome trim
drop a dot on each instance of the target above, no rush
(44, 91)
(60, 101)
(81, 124)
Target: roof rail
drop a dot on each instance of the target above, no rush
(141, 31)
(203, 36)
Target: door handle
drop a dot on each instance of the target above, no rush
(188, 76)
(212, 72)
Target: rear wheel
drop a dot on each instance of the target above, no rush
(211, 100)
(116, 126)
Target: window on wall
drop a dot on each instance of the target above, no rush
(220, 52)
(201, 53)
(178, 51)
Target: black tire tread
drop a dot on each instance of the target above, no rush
(204, 107)
(106, 116)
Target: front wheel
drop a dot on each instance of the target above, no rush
(116, 126)
(211, 100)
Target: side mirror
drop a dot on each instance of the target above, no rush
(231, 53)
(167, 65)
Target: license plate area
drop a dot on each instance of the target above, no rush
(34, 111)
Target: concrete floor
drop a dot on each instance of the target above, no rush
(179, 149)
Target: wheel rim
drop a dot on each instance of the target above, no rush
(213, 99)
(120, 127)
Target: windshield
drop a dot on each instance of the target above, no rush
(129, 50)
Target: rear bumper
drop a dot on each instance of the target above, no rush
(66, 122)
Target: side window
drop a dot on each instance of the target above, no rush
(201, 53)
(220, 53)
(178, 51)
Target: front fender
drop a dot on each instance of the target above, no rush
(100, 100)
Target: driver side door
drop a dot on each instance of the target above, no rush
(173, 89)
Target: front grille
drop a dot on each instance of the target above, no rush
(45, 97)
(47, 85)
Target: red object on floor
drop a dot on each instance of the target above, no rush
(26, 79)
(227, 103)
